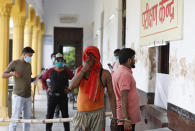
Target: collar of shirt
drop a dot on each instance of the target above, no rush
(126, 68)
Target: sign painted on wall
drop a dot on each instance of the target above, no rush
(161, 20)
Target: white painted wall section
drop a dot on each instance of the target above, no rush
(111, 40)
(181, 85)
(47, 51)
(82, 9)
(52, 11)
(182, 61)
(111, 28)
(141, 72)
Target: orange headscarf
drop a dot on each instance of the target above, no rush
(93, 85)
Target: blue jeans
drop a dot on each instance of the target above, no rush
(20, 104)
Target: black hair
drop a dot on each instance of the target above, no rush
(116, 51)
(53, 54)
(125, 54)
(27, 50)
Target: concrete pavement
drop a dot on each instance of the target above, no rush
(40, 113)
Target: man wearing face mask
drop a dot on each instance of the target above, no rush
(21, 99)
(116, 63)
(53, 58)
(57, 95)
(127, 99)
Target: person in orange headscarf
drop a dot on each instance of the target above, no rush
(91, 79)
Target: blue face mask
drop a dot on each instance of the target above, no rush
(27, 59)
(59, 64)
(116, 57)
(64, 64)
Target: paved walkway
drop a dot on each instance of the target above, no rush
(160, 129)
(40, 113)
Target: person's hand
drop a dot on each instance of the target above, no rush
(67, 90)
(113, 124)
(48, 89)
(127, 125)
(16, 74)
(33, 79)
(88, 64)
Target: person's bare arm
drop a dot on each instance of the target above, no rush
(111, 94)
(124, 100)
(78, 77)
(10, 71)
(76, 80)
(7, 73)
(112, 99)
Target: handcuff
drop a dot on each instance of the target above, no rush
(121, 120)
(113, 118)
(127, 120)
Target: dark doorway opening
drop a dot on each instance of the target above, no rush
(123, 22)
(69, 37)
(163, 58)
(10, 49)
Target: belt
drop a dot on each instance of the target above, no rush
(54, 94)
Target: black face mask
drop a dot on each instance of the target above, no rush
(132, 64)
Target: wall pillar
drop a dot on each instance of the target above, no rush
(28, 29)
(18, 36)
(39, 61)
(28, 34)
(35, 48)
(4, 57)
(39, 64)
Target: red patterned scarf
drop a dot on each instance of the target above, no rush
(93, 85)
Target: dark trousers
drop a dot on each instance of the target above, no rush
(57, 111)
(52, 102)
(121, 128)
